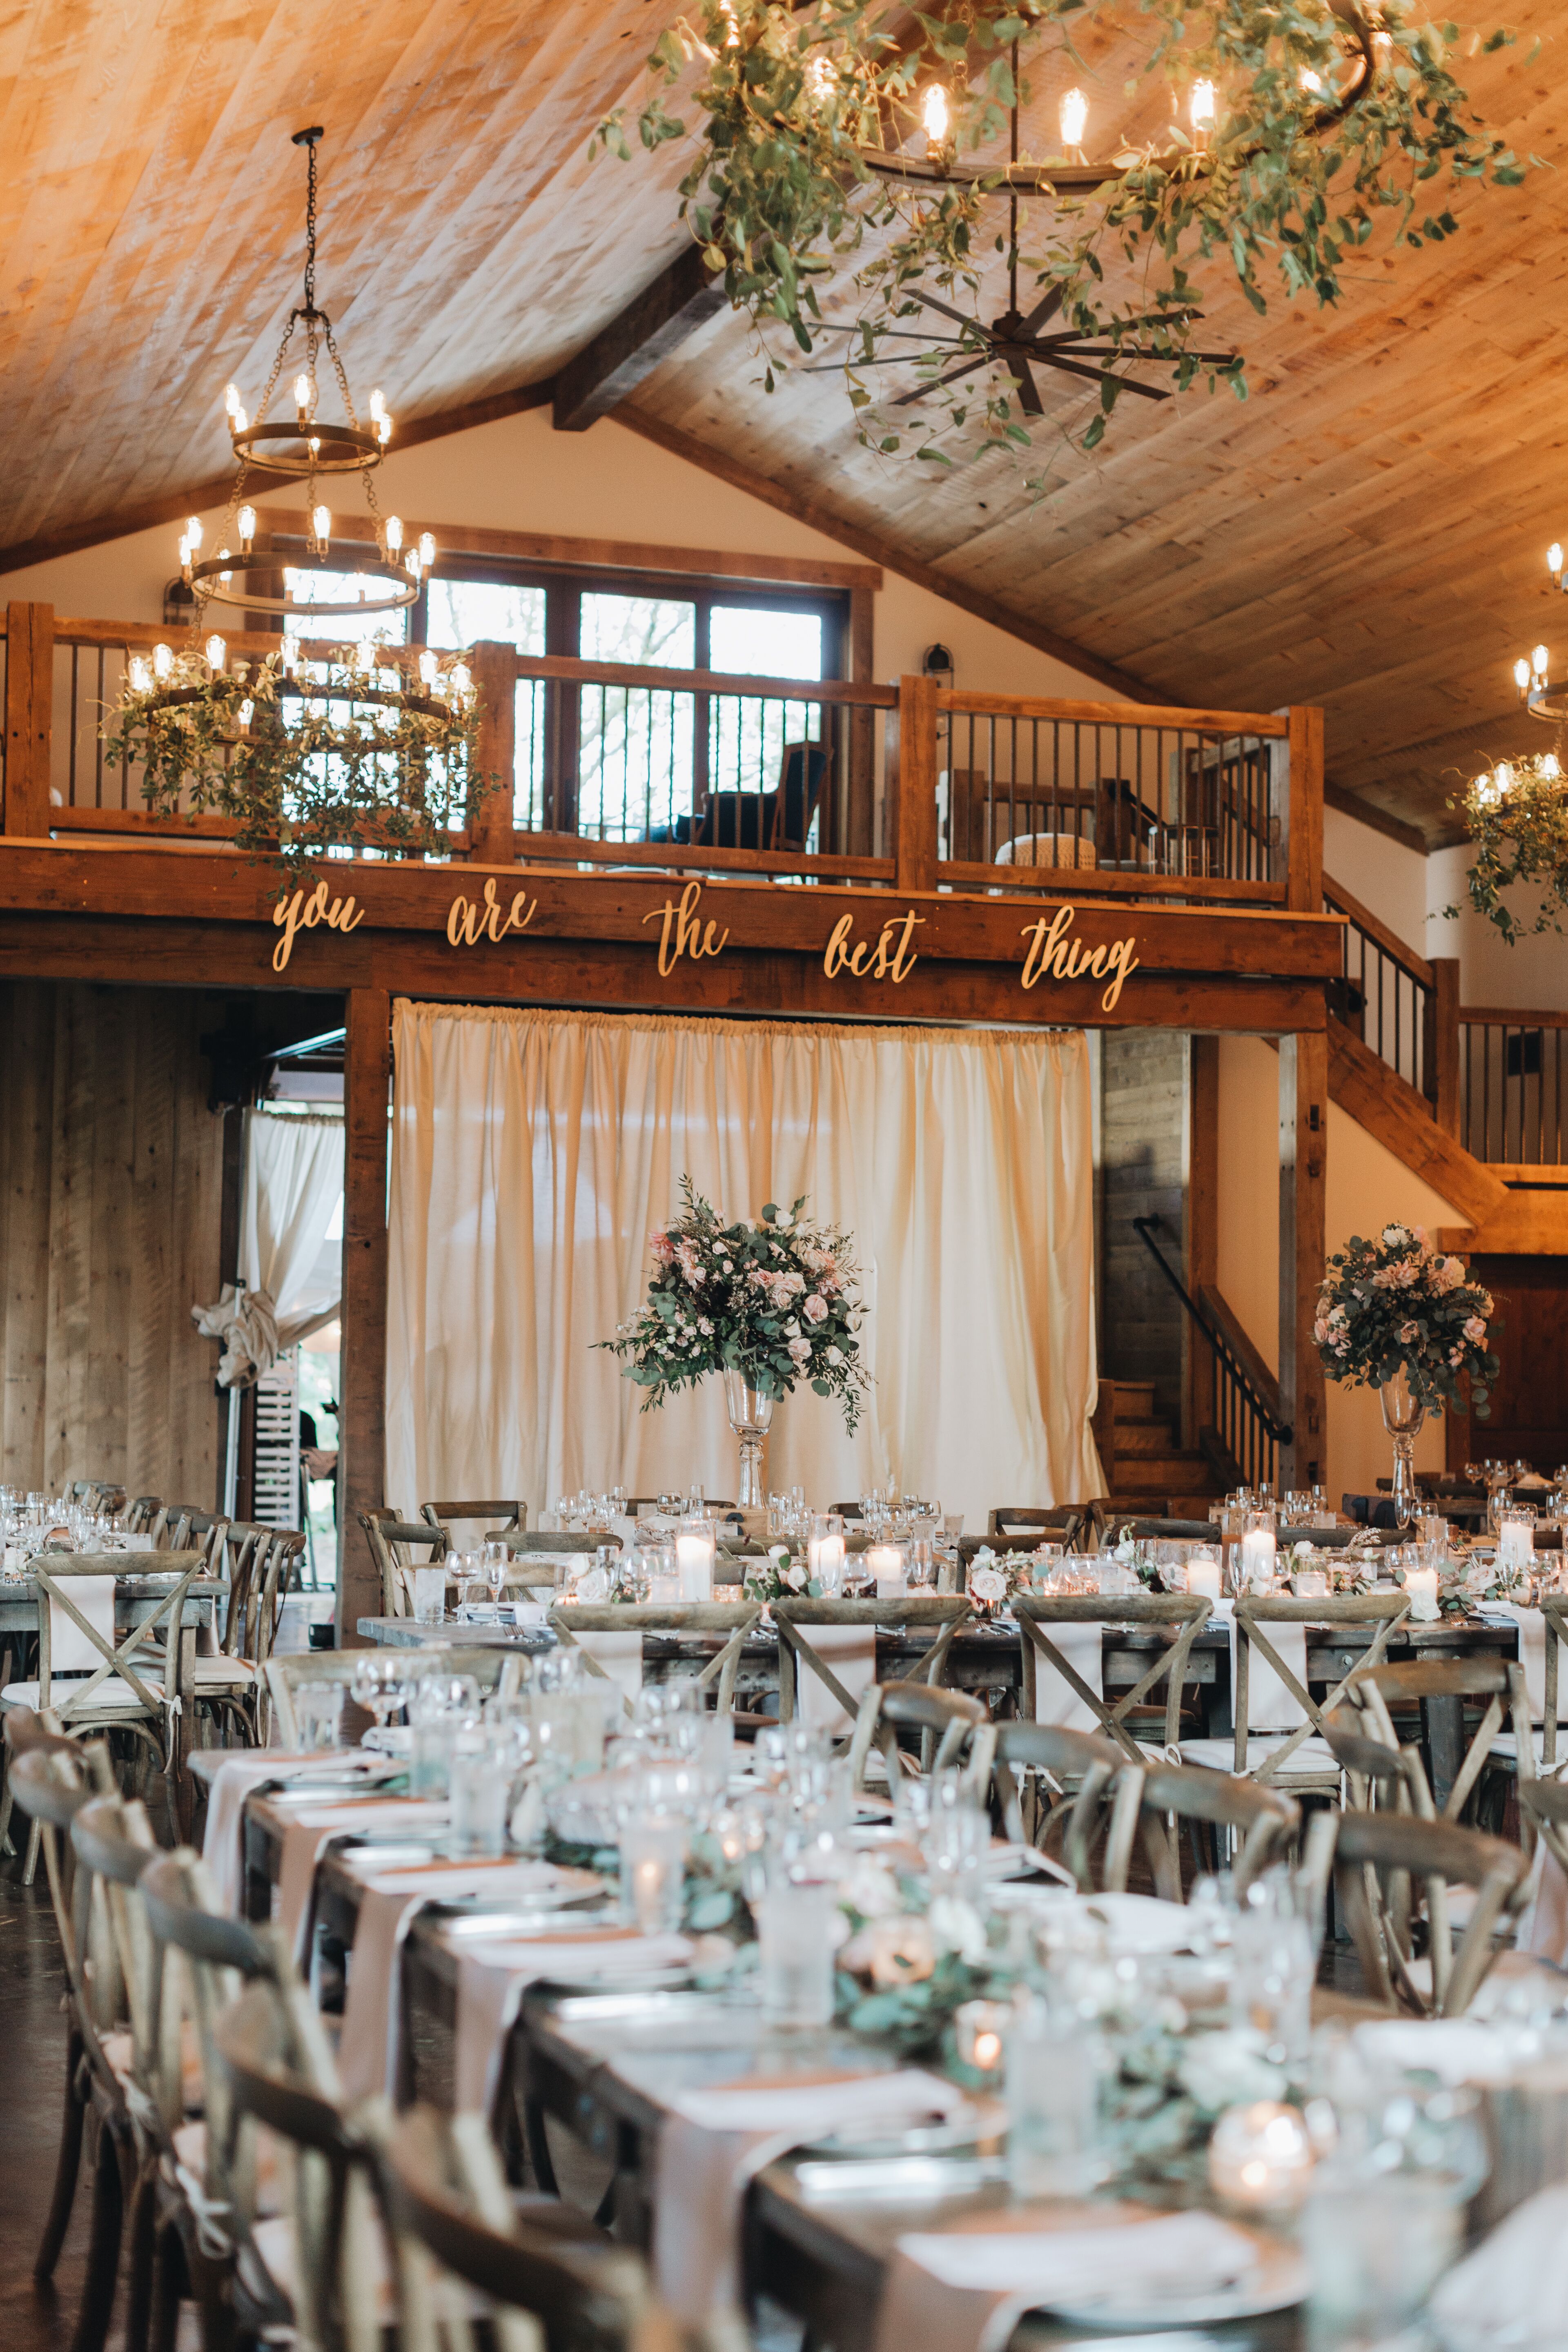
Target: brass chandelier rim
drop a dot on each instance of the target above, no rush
(301, 461)
(219, 589)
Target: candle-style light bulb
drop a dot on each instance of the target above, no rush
(163, 661)
(186, 559)
(428, 667)
(462, 678)
(426, 549)
(1552, 767)
(365, 654)
(1554, 563)
(194, 531)
(321, 524)
(1521, 674)
(1074, 118)
(303, 390)
(384, 428)
(241, 420)
(378, 402)
(231, 398)
(246, 712)
(141, 674)
(935, 116)
(246, 521)
(215, 651)
(1538, 661)
(1201, 106)
(393, 534)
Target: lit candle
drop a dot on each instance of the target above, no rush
(1257, 1553)
(886, 1563)
(1421, 1584)
(1261, 2158)
(980, 2030)
(824, 1557)
(694, 1551)
(1202, 1575)
(1516, 1544)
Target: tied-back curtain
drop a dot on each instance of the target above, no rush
(532, 1152)
(291, 1196)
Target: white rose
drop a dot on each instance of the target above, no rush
(987, 1584)
(836, 1355)
(795, 1577)
(1423, 1609)
(958, 1928)
(873, 1890)
(1394, 1237)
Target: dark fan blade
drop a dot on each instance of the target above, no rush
(1103, 375)
(1130, 351)
(884, 334)
(894, 358)
(921, 390)
(972, 325)
(1044, 311)
(1029, 399)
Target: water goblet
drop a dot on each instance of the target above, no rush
(378, 1686)
(497, 1558)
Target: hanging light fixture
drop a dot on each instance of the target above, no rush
(305, 445)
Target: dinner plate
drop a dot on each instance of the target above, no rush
(1280, 2281)
(962, 2127)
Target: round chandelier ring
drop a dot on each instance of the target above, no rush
(218, 590)
(1549, 703)
(366, 450)
(424, 705)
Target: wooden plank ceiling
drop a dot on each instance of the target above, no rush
(1367, 530)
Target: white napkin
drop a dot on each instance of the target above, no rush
(1543, 1926)
(965, 2290)
(306, 1840)
(492, 1981)
(1269, 1705)
(1511, 2293)
(849, 1652)
(369, 2051)
(714, 2143)
(237, 1778)
(1056, 1701)
(71, 1652)
(134, 1543)
(1532, 1658)
(1456, 2048)
(620, 1655)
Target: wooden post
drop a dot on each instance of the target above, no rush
(362, 1425)
(1303, 1161)
(29, 709)
(1304, 865)
(1202, 1232)
(1441, 1053)
(914, 805)
(494, 666)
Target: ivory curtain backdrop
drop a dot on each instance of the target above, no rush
(533, 1151)
(293, 1190)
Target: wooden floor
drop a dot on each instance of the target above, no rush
(33, 2318)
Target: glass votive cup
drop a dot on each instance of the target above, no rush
(653, 1873)
(795, 1921)
(318, 1715)
(479, 1779)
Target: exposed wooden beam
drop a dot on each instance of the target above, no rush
(1362, 1083)
(684, 296)
(1303, 1164)
(361, 1423)
(878, 550)
(1352, 805)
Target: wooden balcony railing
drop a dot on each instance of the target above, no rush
(1511, 1070)
(891, 786)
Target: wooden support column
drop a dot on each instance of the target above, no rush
(1201, 1236)
(1304, 812)
(494, 667)
(914, 804)
(1303, 1164)
(1441, 1044)
(29, 707)
(362, 1426)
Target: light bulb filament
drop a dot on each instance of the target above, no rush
(934, 114)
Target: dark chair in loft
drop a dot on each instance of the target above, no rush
(777, 820)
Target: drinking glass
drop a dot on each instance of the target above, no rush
(919, 1563)
(956, 1840)
(378, 1686)
(468, 1569)
(441, 1706)
(481, 1763)
(1275, 1941)
(653, 1866)
(497, 1559)
(1053, 2093)
(318, 1715)
(795, 1921)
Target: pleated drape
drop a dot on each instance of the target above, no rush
(533, 1151)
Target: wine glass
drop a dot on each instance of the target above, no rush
(497, 1560)
(378, 1686)
(468, 1569)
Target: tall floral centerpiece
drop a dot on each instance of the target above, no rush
(766, 1303)
(1397, 1316)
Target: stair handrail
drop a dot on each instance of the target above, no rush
(1282, 1431)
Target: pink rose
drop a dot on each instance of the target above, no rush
(660, 1247)
(800, 1350)
(815, 1310)
(1476, 1330)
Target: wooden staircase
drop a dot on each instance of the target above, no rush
(1145, 1469)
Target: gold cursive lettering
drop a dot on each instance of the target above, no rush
(466, 923)
(301, 913)
(892, 957)
(682, 930)
(1050, 951)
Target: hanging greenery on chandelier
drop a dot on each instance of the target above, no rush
(843, 137)
(1517, 816)
(303, 758)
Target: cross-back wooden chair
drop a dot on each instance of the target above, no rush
(1073, 1769)
(734, 1620)
(1554, 1614)
(393, 1543)
(1183, 1615)
(190, 1529)
(262, 1562)
(1375, 1691)
(203, 1960)
(141, 1512)
(945, 1720)
(493, 1669)
(1545, 1805)
(1260, 1821)
(87, 1681)
(1048, 1523)
(555, 2282)
(943, 1612)
(1373, 1859)
(1169, 1531)
(496, 1519)
(1302, 1757)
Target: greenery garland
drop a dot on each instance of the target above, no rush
(333, 760)
(780, 197)
(1517, 815)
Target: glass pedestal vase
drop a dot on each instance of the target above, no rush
(750, 1415)
(1401, 1417)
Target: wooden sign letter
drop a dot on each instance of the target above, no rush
(466, 923)
(683, 933)
(301, 913)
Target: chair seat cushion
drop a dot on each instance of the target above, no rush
(1314, 1759)
(112, 1697)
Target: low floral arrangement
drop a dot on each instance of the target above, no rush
(782, 1576)
(910, 1959)
(1396, 1305)
(349, 756)
(775, 1299)
(1463, 1587)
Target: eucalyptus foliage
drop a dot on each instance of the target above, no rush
(301, 774)
(1279, 195)
(1517, 816)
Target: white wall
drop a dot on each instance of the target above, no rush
(519, 474)
(1367, 1188)
(1388, 878)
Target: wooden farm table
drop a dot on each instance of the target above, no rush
(136, 1599)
